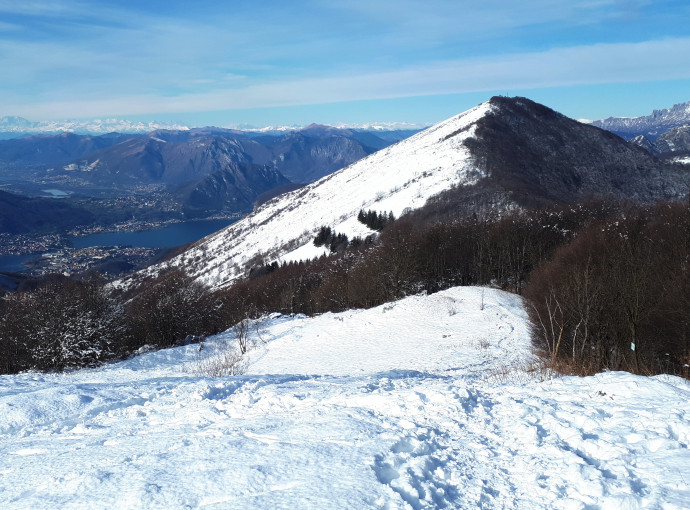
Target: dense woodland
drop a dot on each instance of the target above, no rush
(607, 285)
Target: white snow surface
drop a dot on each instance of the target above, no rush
(414, 404)
(403, 175)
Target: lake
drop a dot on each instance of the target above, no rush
(55, 193)
(13, 263)
(167, 237)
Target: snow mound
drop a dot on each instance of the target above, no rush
(401, 406)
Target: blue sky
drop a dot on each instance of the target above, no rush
(337, 61)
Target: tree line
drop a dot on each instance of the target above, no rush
(607, 284)
(607, 287)
(65, 323)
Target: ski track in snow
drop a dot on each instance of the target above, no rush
(406, 405)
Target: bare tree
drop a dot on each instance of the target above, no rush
(241, 330)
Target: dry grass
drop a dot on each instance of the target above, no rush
(223, 362)
(534, 370)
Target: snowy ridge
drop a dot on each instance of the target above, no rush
(384, 126)
(403, 175)
(413, 404)
(94, 126)
(368, 126)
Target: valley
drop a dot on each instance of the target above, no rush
(119, 183)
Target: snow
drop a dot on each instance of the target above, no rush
(384, 126)
(93, 126)
(421, 403)
(306, 252)
(401, 176)
(685, 160)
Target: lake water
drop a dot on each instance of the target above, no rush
(168, 237)
(172, 235)
(13, 263)
(55, 193)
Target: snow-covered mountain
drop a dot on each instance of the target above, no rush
(401, 176)
(506, 152)
(422, 403)
(651, 126)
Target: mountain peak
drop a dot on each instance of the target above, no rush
(506, 153)
(393, 179)
(521, 105)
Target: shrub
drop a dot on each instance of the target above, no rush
(617, 297)
(170, 307)
(60, 324)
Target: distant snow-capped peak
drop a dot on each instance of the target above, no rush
(384, 126)
(20, 125)
(367, 126)
(94, 126)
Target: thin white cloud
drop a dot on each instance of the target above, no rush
(596, 64)
(473, 18)
(39, 8)
(82, 10)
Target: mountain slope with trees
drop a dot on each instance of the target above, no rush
(21, 214)
(504, 154)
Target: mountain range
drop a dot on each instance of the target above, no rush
(176, 156)
(504, 154)
(18, 127)
(12, 127)
(204, 170)
(38, 150)
(650, 126)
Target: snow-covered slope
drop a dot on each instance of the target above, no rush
(414, 404)
(393, 179)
